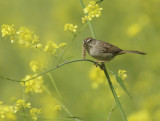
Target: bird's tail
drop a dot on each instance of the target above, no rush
(132, 51)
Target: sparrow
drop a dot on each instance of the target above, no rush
(103, 51)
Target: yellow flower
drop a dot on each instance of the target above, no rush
(34, 85)
(39, 45)
(27, 38)
(7, 30)
(70, 27)
(7, 112)
(97, 76)
(21, 104)
(34, 113)
(133, 30)
(51, 47)
(62, 45)
(122, 74)
(57, 108)
(36, 65)
(23, 36)
(49, 107)
(92, 10)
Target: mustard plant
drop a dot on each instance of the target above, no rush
(33, 84)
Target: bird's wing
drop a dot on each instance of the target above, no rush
(109, 48)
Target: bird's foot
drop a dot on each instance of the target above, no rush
(97, 63)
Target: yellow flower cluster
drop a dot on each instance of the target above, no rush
(28, 38)
(23, 36)
(122, 74)
(52, 47)
(7, 30)
(34, 85)
(57, 107)
(7, 112)
(34, 113)
(36, 65)
(21, 104)
(92, 10)
(70, 27)
(62, 45)
(97, 76)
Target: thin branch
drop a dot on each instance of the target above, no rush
(74, 37)
(109, 115)
(99, 1)
(41, 117)
(24, 97)
(10, 79)
(60, 103)
(91, 29)
(54, 85)
(65, 50)
(49, 70)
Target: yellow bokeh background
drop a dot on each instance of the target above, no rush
(132, 25)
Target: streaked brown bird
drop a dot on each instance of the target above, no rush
(104, 51)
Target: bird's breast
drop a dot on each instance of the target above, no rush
(99, 55)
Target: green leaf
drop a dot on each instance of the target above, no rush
(121, 83)
(114, 93)
(117, 101)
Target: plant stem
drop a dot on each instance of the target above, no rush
(55, 86)
(109, 115)
(24, 116)
(52, 119)
(59, 102)
(50, 70)
(75, 35)
(103, 67)
(82, 4)
(92, 31)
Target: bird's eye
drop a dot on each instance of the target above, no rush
(89, 40)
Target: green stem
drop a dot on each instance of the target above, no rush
(10, 79)
(65, 50)
(109, 115)
(50, 70)
(52, 119)
(113, 91)
(75, 35)
(59, 102)
(92, 31)
(85, 25)
(24, 97)
(55, 86)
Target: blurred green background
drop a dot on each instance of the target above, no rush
(132, 25)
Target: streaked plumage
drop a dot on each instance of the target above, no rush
(104, 51)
